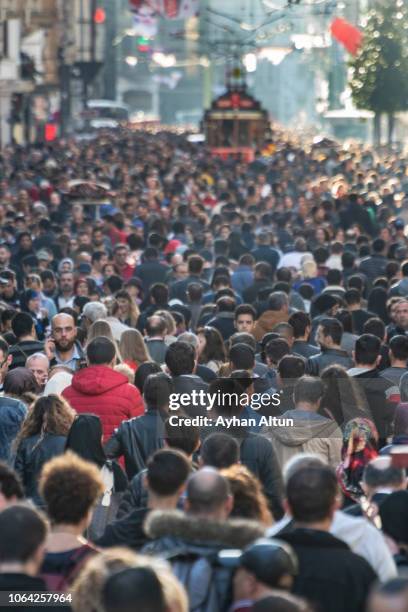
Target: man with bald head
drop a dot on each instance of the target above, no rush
(191, 540)
(61, 347)
(156, 330)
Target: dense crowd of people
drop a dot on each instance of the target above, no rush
(168, 276)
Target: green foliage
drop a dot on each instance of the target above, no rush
(379, 79)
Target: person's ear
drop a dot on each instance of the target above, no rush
(286, 507)
(378, 360)
(364, 487)
(229, 504)
(353, 354)
(38, 556)
(9, 360)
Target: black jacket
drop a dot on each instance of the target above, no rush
(330, 575)
(360, 317)
(178, 290)
(258, 455)
(375, 388)
(136, 439)
(304, 349)
(205, 373)
(328, 357)
(135, 497)
(187, 383)
(250, 294)
(126, 531)
(151, 272)
(32, 454)
(224, 322)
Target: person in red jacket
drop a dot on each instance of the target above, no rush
(98, 389)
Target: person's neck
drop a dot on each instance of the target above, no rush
(17, 568)
(398, 363)
(26, 338)
(305, 406)
(365, 366)
(162, 503)
(353, 307)
(331, 347)
(304, 338)
(323, 525)
(68, 530)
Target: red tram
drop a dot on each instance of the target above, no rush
(236, 125)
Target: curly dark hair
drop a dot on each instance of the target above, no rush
(70, 487)
(48, 414)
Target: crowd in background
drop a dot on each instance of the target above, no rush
(169, 272)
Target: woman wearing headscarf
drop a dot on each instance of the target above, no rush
(85, 439)
(360, 446)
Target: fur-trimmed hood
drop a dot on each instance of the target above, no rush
(232, 533)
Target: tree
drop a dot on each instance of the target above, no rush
(379, 70)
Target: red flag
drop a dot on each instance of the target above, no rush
(347, 34)
(171, 8)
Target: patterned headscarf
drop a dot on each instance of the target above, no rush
(360, 441)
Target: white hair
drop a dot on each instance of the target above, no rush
(95, 311)
(302, 460)
(37, 356)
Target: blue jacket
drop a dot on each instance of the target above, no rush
(12, 414)
(242, 278)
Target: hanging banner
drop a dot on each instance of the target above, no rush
(347, 34)
(145, 22)
(169, 9)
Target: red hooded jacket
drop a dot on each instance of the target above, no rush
(108, 394)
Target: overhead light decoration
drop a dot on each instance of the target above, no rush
(274, 55)
(164, 60)
(99, 16)
(143, 44)
(131, 60)
(250, 62)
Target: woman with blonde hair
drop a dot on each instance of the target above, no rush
(87, 590)
(249, 500)
(99, 328)
(102, 328)
(171, 326)
(42, 436)
(133, 349)
(128, 310)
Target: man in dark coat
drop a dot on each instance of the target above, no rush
(377, 389)
(178, 290)
(136, 439)
(151, 270)
(328, 336)
(330, 575)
